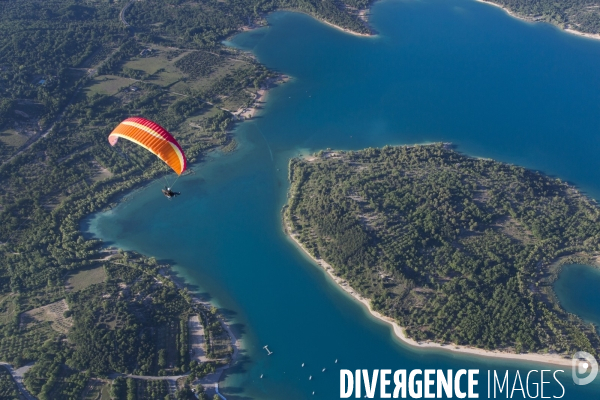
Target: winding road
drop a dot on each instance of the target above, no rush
(122, 13)
(17, 375)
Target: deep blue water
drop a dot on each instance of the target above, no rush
(455, 71)
(577, 291)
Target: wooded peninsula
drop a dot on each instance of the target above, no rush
(457, 250)
(581, 16)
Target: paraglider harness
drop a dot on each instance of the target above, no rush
(169, 193)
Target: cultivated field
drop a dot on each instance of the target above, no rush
(53, 313)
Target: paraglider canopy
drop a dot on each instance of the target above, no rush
(153, 138)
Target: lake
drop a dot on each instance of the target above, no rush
(454, 71)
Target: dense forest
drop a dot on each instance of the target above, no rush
(456, 249)
(579, 15)
(8, 387)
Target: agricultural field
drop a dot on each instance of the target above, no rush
(134, 389)
(152, 389)
(85, 277)
(107, 84)
(54, 313)
(25, 346)
(66, 383)
(189, 73)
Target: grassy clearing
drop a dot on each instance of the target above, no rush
(229, 67)
(166, 78)
(108, 84)
(148, 64)
(103, 173)
(85, 277)
(237, 100)
(105, 392)
(191, 128)
(161, 69)
(13, 138)
(53, 313)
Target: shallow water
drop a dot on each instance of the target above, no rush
(454, 71)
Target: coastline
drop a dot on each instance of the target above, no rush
(362, 15)
(342, 29)
(586, 35)
(245, 113)
(554, 359)
(211, 381)
(530, 19)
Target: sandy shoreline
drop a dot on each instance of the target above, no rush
(554, 359)
(260, 96)
(587, 35)
(343, 29)
(530, 19)
(362, 15)
(210, 381)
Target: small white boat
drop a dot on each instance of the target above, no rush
(336, 360)
(310, 378)
(324, 369)
(302, 365)
(261, 375)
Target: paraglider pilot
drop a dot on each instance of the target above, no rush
(169, 193)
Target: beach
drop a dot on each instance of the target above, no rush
(260, 96)
(362, 15)
(399, 331)
(343, 29)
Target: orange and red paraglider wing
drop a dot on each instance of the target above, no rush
(153, 138)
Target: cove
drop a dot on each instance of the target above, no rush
(577, 291)
(454, 71)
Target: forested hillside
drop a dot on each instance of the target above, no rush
(69, 72)
(456, 249)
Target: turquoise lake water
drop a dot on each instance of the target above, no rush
(455, 71)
